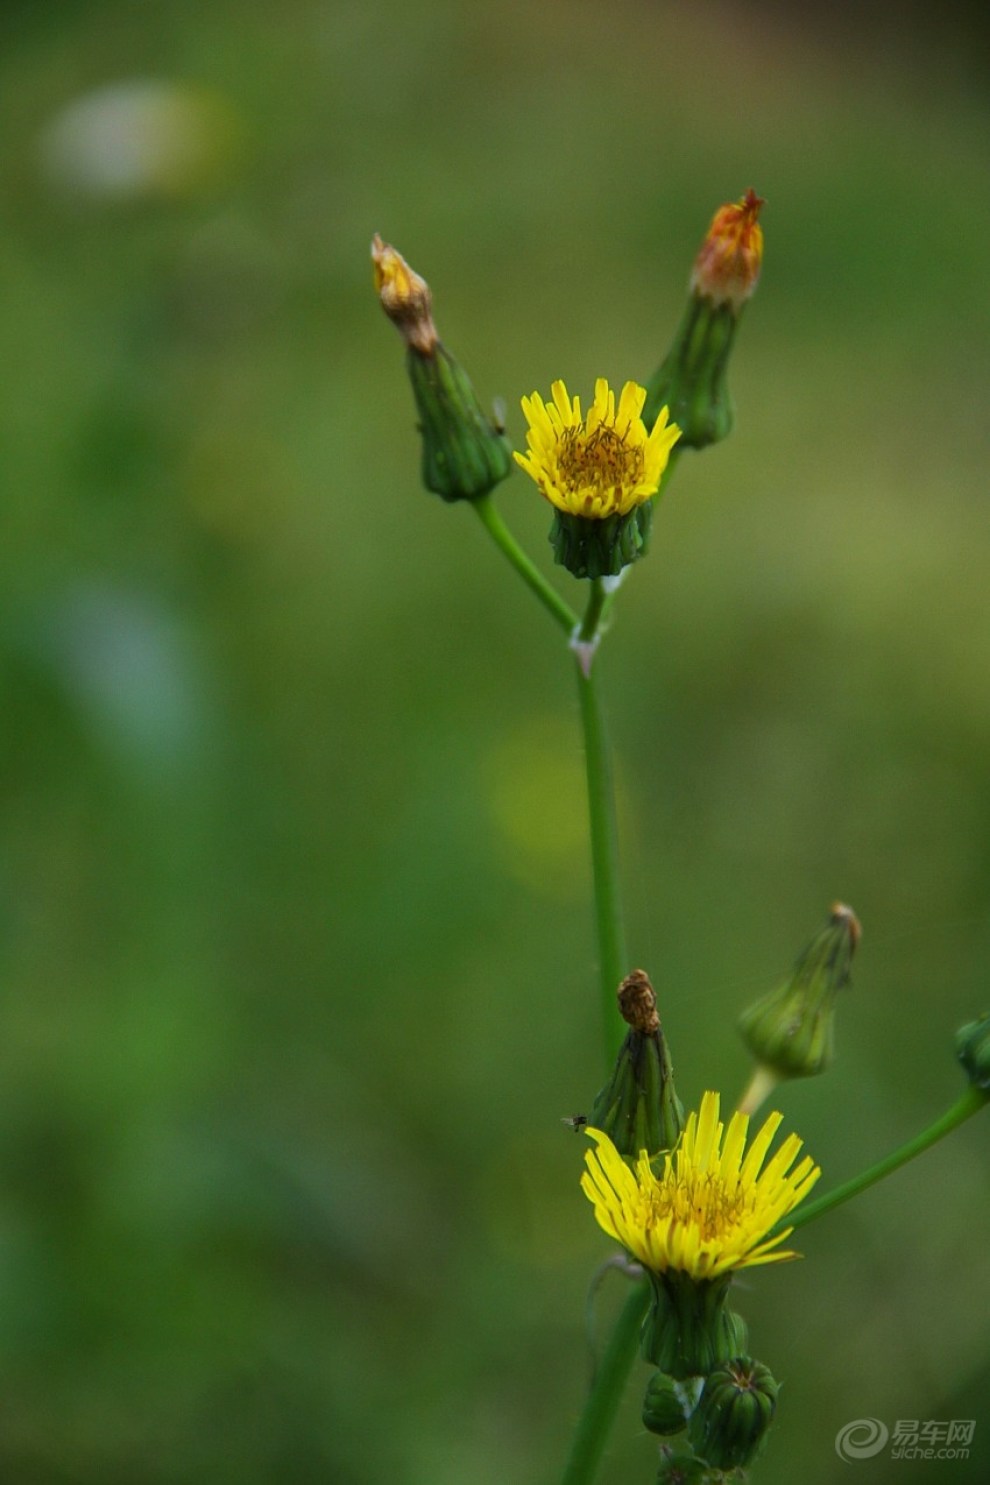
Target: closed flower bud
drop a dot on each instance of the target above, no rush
(734, 1412)
(681, 1467)
(692, 381)
(464, 454)
(638, 1107)
(973, 1051)
(790, 1031)
(668, 1403)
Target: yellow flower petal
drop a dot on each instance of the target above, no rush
(603, 465)
(712, 1208)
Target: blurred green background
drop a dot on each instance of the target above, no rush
(296, 962)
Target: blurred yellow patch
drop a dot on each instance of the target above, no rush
(533, 780)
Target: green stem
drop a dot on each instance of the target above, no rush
(597, 598)
(970, 1103)
(528, 571)
(612, 962)
(606, 1392)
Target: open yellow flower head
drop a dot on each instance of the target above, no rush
(603, 465)
(727, 268)
(710, 1211)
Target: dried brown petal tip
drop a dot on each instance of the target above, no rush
(638, 1003)
(404, 296)
(844, 915)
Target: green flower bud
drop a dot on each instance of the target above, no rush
(689, 1328)
(681, 1467)
(790, 1031)
(464, 454)
(973, 1051)
(638, 1107)
(692, 381)
(734, 1412)
(668, 1403)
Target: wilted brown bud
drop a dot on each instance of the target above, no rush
(404, 296)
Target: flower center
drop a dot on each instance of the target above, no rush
(704, 1204)
(601, 459)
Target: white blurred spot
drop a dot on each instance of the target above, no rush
(139, 138)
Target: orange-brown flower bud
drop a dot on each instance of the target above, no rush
(693, 379)
(405, 297)
(727, 269)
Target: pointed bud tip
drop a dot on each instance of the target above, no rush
(842, 915)
(404, 295)
(638, 1003)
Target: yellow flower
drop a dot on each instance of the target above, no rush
(710, 1211)
(600, 466)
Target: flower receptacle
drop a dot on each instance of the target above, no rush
(689, 1327)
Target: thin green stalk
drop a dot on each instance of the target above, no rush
(597, 598)
(530, 574)
(970, 1103)
(612, 962)
(606, 1392)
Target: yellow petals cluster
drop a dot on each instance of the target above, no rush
(712, 1208)
(601, 465)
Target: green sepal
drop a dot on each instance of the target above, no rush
(689, 1328)
(736, 1408)
(591, 548)
(464, 455)
(638, 1108)
(692, 381)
